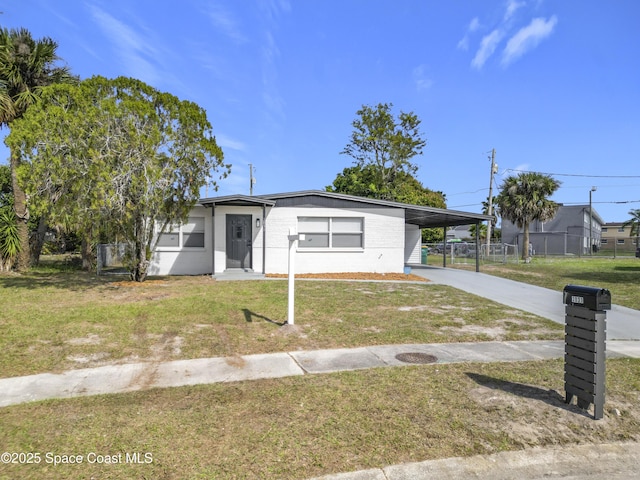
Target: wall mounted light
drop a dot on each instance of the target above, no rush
(257, 223)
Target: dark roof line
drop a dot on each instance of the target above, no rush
(416, 214)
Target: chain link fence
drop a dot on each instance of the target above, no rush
(465, 252)
(110, 259)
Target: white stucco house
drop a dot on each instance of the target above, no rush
(342, 233)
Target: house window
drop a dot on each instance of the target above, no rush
(604, 241)
(621, 241)
(187, 235)
(604, 229)
(621, 230)
(331, 232)
(171, 238)
(193, 232)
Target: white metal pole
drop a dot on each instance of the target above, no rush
(293, 238)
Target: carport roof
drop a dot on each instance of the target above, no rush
(422, 216)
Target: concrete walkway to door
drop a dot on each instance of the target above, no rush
(622, 323)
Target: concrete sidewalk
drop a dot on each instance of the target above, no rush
(602, 462)
(140, 376)
(622, 323)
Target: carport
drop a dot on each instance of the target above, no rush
(430, 217)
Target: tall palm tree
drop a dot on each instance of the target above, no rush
(26, 66)
(634, 223)
(523, 199)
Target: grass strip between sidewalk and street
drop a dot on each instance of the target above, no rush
(300, 427)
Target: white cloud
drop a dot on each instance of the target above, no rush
(134, 49)
(512, 7)
(225, 22)
(473, 26)
(421, 79)
(528, 38)
(224, 141)
(487, 47)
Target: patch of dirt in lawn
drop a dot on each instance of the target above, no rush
(555, 421)
(498, 332)
(356, 276)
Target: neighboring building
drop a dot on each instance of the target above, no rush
(617, 239)
(461, 231)
(570, 232)
(343, 233)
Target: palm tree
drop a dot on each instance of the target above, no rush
(634, 223)
(523, 199)
(26, 66)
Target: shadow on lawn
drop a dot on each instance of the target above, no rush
(551, 397)
(74, 281)
(249, 316)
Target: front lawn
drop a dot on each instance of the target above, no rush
(58, 320)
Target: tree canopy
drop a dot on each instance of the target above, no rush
(405, 188)
(386, 146)
(523, 199)
(634, 223)
(116, 151)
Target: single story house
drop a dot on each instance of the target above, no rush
(342, 233)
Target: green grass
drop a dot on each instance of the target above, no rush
(299, 427)
(55, 320)
(620, 275)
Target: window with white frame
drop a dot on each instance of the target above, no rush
(187, 235)
(331, 232)
(620, 241)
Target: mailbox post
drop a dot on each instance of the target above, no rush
(293, 243)
(584, 350)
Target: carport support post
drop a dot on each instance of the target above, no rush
(444, 248)
(478, 244)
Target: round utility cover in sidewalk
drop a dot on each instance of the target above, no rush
(416, 357)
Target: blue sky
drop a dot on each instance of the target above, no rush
(553, 86)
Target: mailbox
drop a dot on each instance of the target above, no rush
(585, 345)
(587, 297)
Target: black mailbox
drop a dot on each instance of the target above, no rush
(587, 297)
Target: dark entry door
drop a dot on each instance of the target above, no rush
(239, 241)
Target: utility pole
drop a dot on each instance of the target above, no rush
(252, 180)
(494, 170)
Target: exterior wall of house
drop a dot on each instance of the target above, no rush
(413, 243)
(185, 261)
(383, 242)
(383, 236)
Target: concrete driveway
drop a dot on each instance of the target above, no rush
(622, 323)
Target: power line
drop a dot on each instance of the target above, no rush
(571, 174)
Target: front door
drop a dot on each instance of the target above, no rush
(239, 241)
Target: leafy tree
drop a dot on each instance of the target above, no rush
(116, 152)
(523, 199)
(359, 181)
(405, 188)
(26, 66)
(386, 145)
(634, 223)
